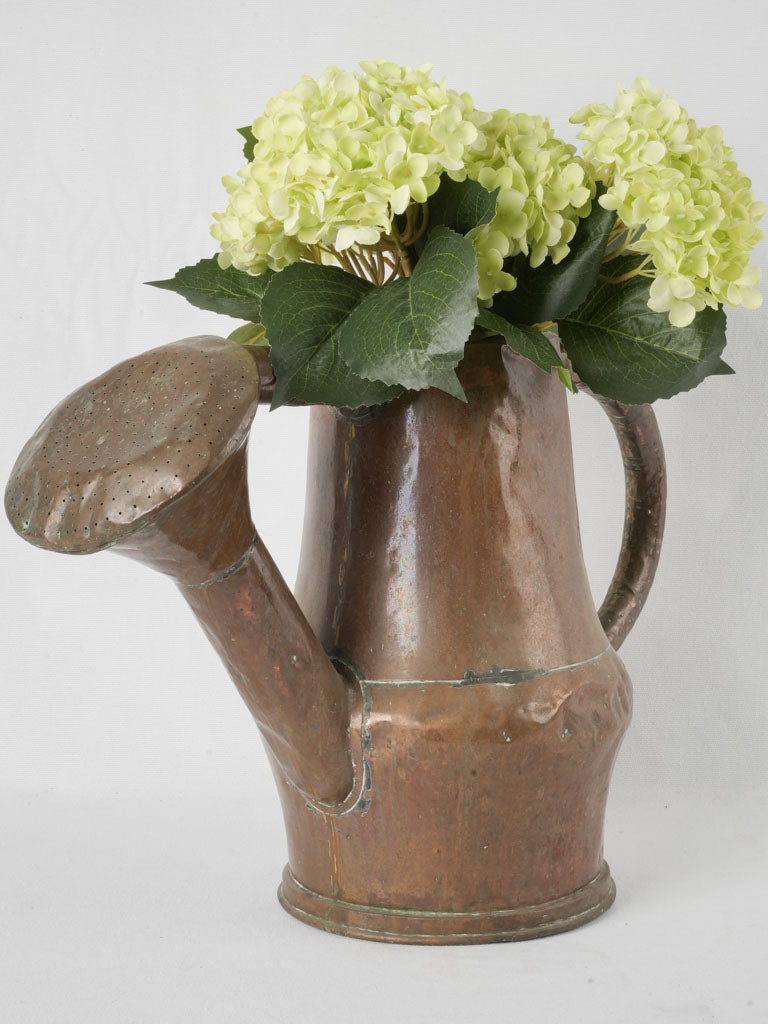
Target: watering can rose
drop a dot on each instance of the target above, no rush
(381, 219)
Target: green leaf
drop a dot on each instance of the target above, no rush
(623, 350)
(232, 292)
(527, 341)
(250, 141)
(461, 205)
(565, 376)
(249, 334)
(552, 290)
(412, 331)
(723, 368)
(302, 309)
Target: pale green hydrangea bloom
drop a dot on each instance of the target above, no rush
(679, 187)
(544, 189)
(336, 159)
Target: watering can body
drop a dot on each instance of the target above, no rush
(441, 568)
(440, 701)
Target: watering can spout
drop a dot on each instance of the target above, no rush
(149, 459)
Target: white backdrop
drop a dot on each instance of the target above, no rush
(141, 839)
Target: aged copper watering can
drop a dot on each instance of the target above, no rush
(440, 701)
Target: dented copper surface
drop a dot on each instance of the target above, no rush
(441, 702)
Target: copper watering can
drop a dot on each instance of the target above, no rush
(440, 701)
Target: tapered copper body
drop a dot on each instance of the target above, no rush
(441, 565)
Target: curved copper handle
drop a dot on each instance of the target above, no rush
(646, 498)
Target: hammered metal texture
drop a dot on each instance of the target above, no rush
(119, 449)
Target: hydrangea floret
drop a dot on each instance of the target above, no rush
(381, 222)
(679, 193)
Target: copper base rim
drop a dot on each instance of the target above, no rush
(437, 927)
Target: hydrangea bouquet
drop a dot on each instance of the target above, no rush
(381, 221)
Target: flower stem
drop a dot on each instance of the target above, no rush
(630, 235)
(638, 271)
